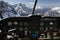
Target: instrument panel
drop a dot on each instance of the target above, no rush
(29, 28)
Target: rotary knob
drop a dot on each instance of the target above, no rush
(42, 24)
(51, 23)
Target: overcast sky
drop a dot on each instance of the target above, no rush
(41, 3)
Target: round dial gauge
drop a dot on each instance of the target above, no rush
(9, 23)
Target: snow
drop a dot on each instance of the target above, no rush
(59, 11)
(56, 8)
(54, 12)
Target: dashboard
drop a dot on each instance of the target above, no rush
(30, 28)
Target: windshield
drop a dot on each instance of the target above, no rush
(23, 8)
(48, 8)
(16, 8)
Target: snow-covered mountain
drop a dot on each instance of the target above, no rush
(22, 9)
(6, 10)
(16, 10)
(41, 11)
(54, 12)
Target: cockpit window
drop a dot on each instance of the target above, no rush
(48, 8)
(16, 8)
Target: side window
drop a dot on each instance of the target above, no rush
(50, 8)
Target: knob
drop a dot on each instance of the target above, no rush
(51, 23)
(42, 24)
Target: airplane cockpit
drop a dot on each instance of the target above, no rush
(29, 20)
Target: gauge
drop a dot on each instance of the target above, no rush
(15, 23)
(41, 23)
(21, 29)
(26, 23)
(25, 28)
(10, 23)
(21, 23)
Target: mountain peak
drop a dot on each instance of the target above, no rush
(56, 8)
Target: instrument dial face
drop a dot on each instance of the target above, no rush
(15, 23)
(10, 23)
(21, 24)
(26, 23)
(21, 29)
(42, 24)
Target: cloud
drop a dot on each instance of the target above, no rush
(38, 6)
(12, 2)
(30, 4)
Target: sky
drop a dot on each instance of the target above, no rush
(18, 1)
(41, 3)
(49, 3)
